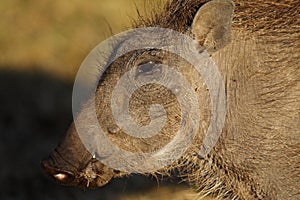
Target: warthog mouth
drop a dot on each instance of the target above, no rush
(94, 174)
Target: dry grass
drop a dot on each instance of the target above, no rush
(55, 35)
(166, 193)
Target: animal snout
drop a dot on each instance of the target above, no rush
(61, 176)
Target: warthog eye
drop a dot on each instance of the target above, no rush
(148, 68)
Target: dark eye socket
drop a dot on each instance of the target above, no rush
(148, 68)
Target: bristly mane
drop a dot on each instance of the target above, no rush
(251, 15)
(176, 14)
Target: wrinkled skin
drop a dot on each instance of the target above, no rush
(76, 166)
(257, 155)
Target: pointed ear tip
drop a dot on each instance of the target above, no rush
(222, 8)
(211, 26)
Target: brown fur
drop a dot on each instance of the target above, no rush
(257, 155)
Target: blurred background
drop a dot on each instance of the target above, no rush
(42, 44)
(54, 36)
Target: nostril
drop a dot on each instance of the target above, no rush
(62, 176)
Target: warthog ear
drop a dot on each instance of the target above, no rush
(212, 24)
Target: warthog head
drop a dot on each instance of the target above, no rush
(255, 47)
(72, 164)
